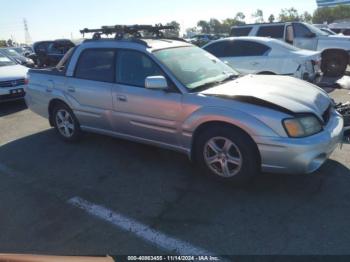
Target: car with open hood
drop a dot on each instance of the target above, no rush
(177, 96)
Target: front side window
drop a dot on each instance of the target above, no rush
(247, 48)
(300, 30)
(134, 67)
(194, 67)
(217, 48)
(275, 31)
(96, 65)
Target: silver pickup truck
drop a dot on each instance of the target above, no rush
(177, 96)
(335, 49)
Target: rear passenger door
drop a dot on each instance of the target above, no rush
(89, 89)
(144, 113)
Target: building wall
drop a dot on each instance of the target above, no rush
(327, 3)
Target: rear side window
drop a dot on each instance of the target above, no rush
(276, 31)
(241, 31)
(96, 65)
(238, 48)
(134, 67)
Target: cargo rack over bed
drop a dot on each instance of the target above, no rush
(131, 32)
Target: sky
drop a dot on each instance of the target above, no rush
(49, 19)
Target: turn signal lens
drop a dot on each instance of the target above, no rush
(302, 126)
(293, 128)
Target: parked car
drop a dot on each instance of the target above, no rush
(12, 79)
(262, 55)
(49, 53)
(203, 39)
(177, 96)
(335, 49)
(17, 57)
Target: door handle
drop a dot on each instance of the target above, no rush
(122, 98)
(71, 89)
(255, 63)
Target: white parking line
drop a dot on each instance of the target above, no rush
(142, 231)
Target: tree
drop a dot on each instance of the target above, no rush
(3, 43)
(259, 16)
(306, 17)
(289, 15)
(204, 26)
(176, 31)
(215, 26)
(331, 14)
(9, 42)
(240, 17)
(271, 18)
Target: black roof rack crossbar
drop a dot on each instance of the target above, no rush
(121, 30)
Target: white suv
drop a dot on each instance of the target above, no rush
(335, 49)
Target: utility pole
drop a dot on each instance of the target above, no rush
(27, 38)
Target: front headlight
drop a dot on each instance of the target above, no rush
(302, 126)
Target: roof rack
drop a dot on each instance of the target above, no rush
(134, 31)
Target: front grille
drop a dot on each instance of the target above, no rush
(327, 115)
(12, 83)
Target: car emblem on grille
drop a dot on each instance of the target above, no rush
(14, 83)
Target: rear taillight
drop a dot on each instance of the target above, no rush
(316, 62)
(26, 81)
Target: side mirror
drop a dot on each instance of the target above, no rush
(156, 82)
(311, 35)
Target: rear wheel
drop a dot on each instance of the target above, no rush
(65, 123)
(227, 154)
(334, 64)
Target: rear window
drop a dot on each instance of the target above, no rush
(276, 31)
(241, 31)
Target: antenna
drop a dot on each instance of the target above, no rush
(28, 39)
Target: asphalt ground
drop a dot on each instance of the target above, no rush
(109, 196)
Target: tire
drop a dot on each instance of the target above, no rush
(334, 64)
(66, 124)
(238, 162)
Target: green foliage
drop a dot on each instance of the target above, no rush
(176, 31)
(330, 14)
(3, 43)
(216, 26)
(271, 18)
(289, 15)
(259, 16)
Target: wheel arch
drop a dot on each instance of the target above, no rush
(327, 51)
(52, 104)
(213, 124)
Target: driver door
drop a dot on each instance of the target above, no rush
(144, 113)
(303, 37)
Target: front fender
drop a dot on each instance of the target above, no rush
(250, 124)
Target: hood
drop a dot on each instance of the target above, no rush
(12, 72)
(288, 94)
(335, 37)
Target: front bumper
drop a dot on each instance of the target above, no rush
(300, 155)
(7, 95)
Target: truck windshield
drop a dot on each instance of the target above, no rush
(194, 67)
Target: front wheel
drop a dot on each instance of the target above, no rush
(227, 154)
(65, 123)
(334, 64)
